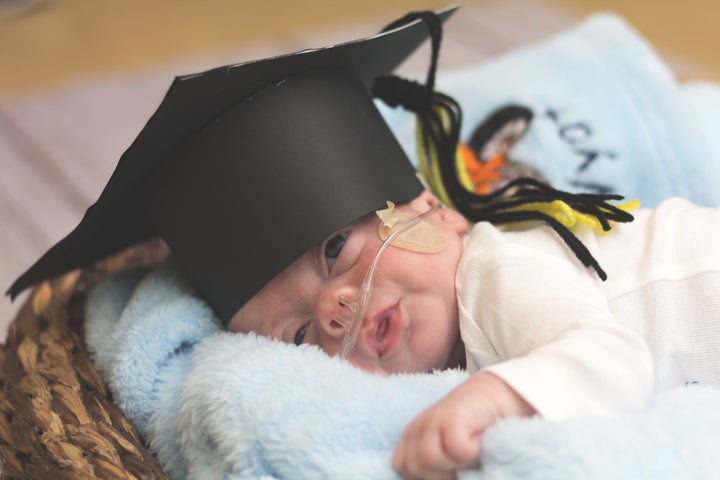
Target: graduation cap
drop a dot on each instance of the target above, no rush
(245, 167)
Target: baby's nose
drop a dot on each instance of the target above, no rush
(334, 312)
(350, 306)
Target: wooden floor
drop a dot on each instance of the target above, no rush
(79, 79)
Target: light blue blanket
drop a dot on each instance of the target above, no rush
(219, 405)
(606, 113)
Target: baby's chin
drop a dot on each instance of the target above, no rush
(387, 370)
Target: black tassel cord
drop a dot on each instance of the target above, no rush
(524, 199)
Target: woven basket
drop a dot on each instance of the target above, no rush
(57, 418)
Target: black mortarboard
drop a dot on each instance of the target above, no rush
(245, 167)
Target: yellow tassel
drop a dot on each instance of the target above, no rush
(429, 162)
(630, 205)
(570, 218)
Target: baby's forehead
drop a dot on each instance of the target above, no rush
(369, 218)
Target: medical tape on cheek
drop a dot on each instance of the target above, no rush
(424, 237)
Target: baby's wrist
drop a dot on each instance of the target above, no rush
(500, 397)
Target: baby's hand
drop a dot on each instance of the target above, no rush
(445, 438)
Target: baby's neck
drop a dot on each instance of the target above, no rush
(457, 357)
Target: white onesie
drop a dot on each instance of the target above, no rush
(572, 344)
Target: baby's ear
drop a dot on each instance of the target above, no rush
(454, 220)
(424, 202)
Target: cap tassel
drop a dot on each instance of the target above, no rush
(439, 118)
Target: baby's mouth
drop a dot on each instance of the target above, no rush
(381, 328)
(387, 330)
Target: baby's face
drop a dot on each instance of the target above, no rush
(411, 322)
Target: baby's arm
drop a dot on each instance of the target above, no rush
(446, 437)
(534, 319)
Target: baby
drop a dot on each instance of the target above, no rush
(544, 334)
(411, 325)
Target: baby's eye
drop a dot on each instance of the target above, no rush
(300, 334)
(333, 247)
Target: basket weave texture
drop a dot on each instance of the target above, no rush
(57, 418)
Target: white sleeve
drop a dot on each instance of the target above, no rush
(546, 320)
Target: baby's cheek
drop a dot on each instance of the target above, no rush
(423, 237)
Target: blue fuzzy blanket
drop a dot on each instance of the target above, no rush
(222, 405)
(219, 405)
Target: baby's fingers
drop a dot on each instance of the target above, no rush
(461, 445)
(412, 467)
(426, 456)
